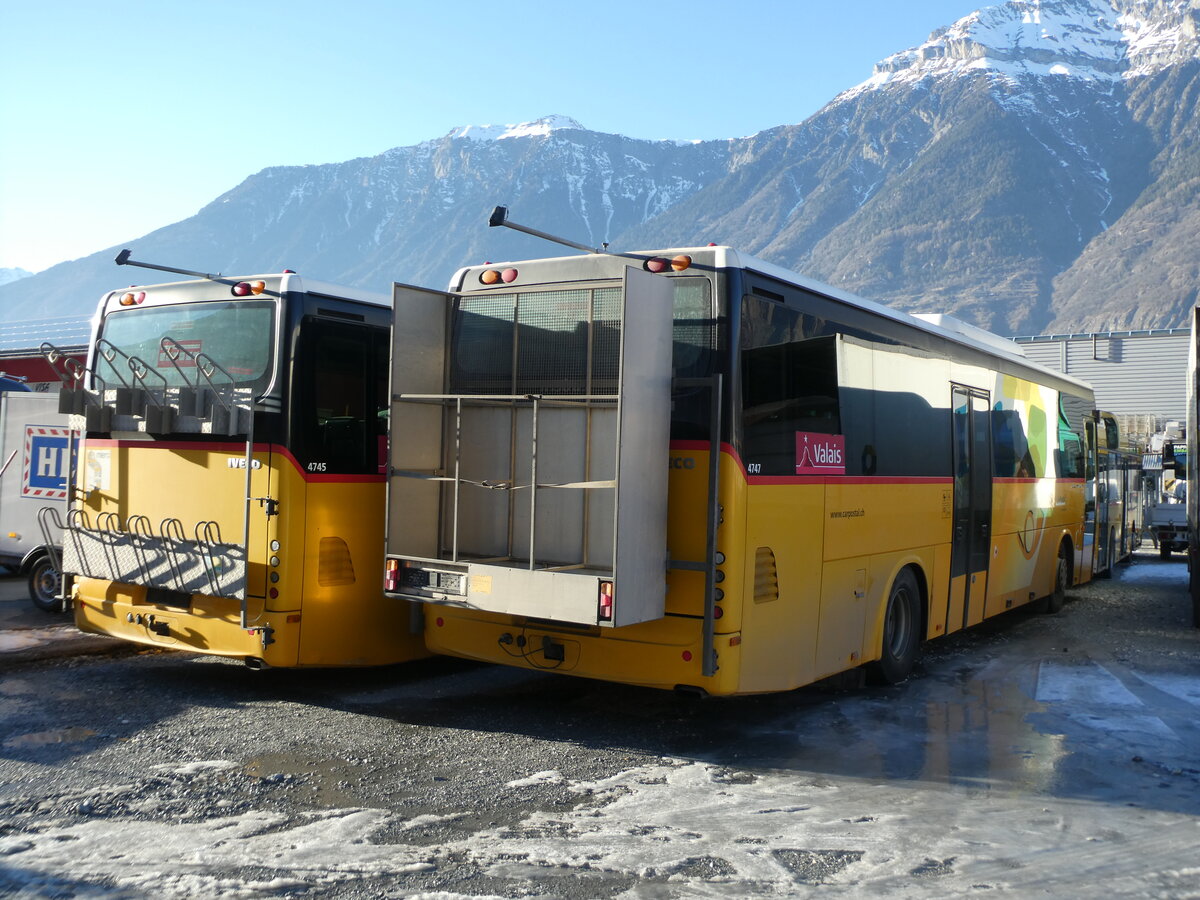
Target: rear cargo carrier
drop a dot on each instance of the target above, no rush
(529, 441)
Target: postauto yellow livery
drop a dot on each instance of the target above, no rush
(229, 488)
(692, 469)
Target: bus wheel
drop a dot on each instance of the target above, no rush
(1062, 577)
(44, 585)
(901, 631)
(1112, 555)
(1164, 550)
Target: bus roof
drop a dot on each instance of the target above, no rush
(603, 265)
(276, 283)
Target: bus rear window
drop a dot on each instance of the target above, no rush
(238, 336)
(566, 341)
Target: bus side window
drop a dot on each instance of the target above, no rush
(789, 385)
(1112, 434)
(331, 412)
(1070, 455)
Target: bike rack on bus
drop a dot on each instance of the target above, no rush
(160, 415)
(171, 531)
(140, 535)
(536, 403)
(198, 400)
(74, 398)
(546, 498)
(130, 553)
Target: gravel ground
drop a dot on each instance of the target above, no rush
(1031, 755)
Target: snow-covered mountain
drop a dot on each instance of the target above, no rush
(1034, 165)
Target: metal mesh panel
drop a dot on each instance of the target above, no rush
(606, 340)
(482, 361)
(554, 337)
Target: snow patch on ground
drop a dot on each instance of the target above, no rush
(24, 638)
(549, 777)
(688, 823)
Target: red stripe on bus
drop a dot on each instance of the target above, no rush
(728, 450)
(239, 450)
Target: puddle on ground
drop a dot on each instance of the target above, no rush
(328, 782)
(47, 738)
(23, 687)
(17, 687)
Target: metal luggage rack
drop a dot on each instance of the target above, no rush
(131, 553)
(142, 400)
(451, 474)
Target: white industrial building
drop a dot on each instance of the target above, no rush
(1134, 373)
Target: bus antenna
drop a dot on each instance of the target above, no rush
(499, 216)
(124, 260)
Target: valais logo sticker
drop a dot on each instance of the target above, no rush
(820, 454)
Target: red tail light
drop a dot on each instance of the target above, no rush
(605, 612)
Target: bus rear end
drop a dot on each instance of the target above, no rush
(531, 451)
(199, 521)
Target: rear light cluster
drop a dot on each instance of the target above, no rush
(658, 264)
(496, 276)
(391, 575)
(718, 594)
(248, 288)
(273, 591)
(605, 612)
(655, 264)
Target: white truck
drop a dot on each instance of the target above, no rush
(34, 456)
(1164, 467)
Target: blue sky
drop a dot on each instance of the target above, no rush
(117, 119)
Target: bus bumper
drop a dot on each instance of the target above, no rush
(212, 627)
(621, 655)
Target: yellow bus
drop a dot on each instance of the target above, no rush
(229, 479)
(693, 469)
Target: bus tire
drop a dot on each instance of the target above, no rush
(1114, 554)
(901, 631)
(1164, 550)
(1062, 578)
(45, 584)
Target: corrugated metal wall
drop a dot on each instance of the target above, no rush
(1133, 373)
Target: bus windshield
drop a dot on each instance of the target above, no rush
(238, 336)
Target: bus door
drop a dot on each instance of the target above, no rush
(1094, 518)
(971, 427)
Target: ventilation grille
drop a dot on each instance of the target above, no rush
(766, 579)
